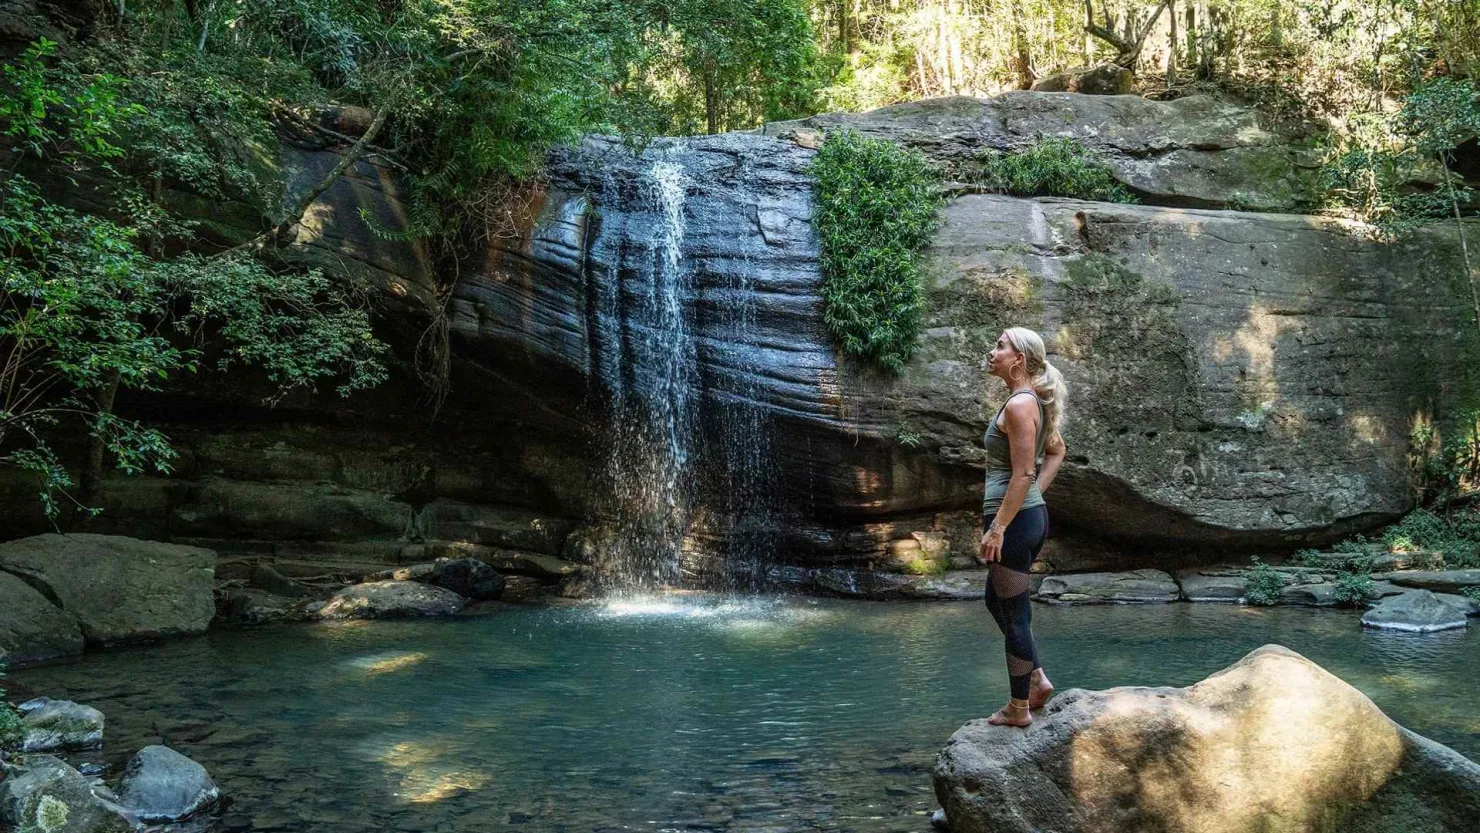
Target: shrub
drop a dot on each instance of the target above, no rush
(1472, 591)
(1308, 558)
(876, 207)
(1262, 585)
(1352, 588)
(1421, 530)
(1059, 167)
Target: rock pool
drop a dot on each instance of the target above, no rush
(680, 713)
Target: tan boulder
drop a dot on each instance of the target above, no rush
(1272, 743)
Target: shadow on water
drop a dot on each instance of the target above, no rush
(669, 713)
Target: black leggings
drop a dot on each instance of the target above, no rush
(1007, 593)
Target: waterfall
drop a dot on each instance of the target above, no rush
(651, 382)
(688, 481)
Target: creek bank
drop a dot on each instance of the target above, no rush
(41, 791)
(1107, 761)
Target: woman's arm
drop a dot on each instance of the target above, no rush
(1020, 423)
(1053, 454)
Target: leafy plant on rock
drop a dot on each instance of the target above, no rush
(1352, 588)
(1053, 167)
(1262, 584)
(876, 209)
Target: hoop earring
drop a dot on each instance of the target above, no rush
(1016, 377)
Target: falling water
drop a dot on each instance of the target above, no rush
(652, 386)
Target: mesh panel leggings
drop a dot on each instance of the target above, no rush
(1007, 594)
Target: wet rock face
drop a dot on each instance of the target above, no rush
(1236, 379)
(1307, 749)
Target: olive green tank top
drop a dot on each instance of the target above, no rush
(999, 461)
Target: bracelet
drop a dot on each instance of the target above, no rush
(995, 526)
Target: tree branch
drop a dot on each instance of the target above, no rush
(277, 233)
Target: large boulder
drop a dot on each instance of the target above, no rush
(1418, 611)
(25, 790)
(1273, 742)
(120, 589)
(161, 785)
(1105, 79)
(390, 599)
(32, 628)
(50, 725)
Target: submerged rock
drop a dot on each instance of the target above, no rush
(1135, 587)
(1418, 611)
(120, 589)
(466, 577)
(60, 724)
(389, 599)
(1274, 738)
(25, 788)
(161, 785)
(32, 628)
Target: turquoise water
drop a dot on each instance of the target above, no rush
(685, 714)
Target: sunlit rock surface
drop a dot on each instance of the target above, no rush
(1239, 381)
(1273, 742)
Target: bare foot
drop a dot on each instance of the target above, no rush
(1039, 689)
(1012, 714)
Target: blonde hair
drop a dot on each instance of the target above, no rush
(1047, 381)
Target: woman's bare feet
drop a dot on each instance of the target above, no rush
(1039, 689)
(1015, 713)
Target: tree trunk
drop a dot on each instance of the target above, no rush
(711, 103)
(91, 486)
(1172, 49)
(1022, 59)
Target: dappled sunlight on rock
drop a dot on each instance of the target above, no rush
(1273, 736)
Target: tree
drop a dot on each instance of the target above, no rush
(85, 310)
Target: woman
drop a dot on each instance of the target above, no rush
(1013, 514)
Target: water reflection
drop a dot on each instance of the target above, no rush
(670, 713)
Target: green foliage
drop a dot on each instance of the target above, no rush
(1352, 588)
(85, 308)
(1355, 545)
(1262, 584)
(1053, 167)
(1448, 467)
(1374, 170)
(876, 209)
(1472, 592)
(1420, 530)
(1455, 536)
(1307, 558)
(10, 722)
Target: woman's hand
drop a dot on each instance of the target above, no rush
(991, 548)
